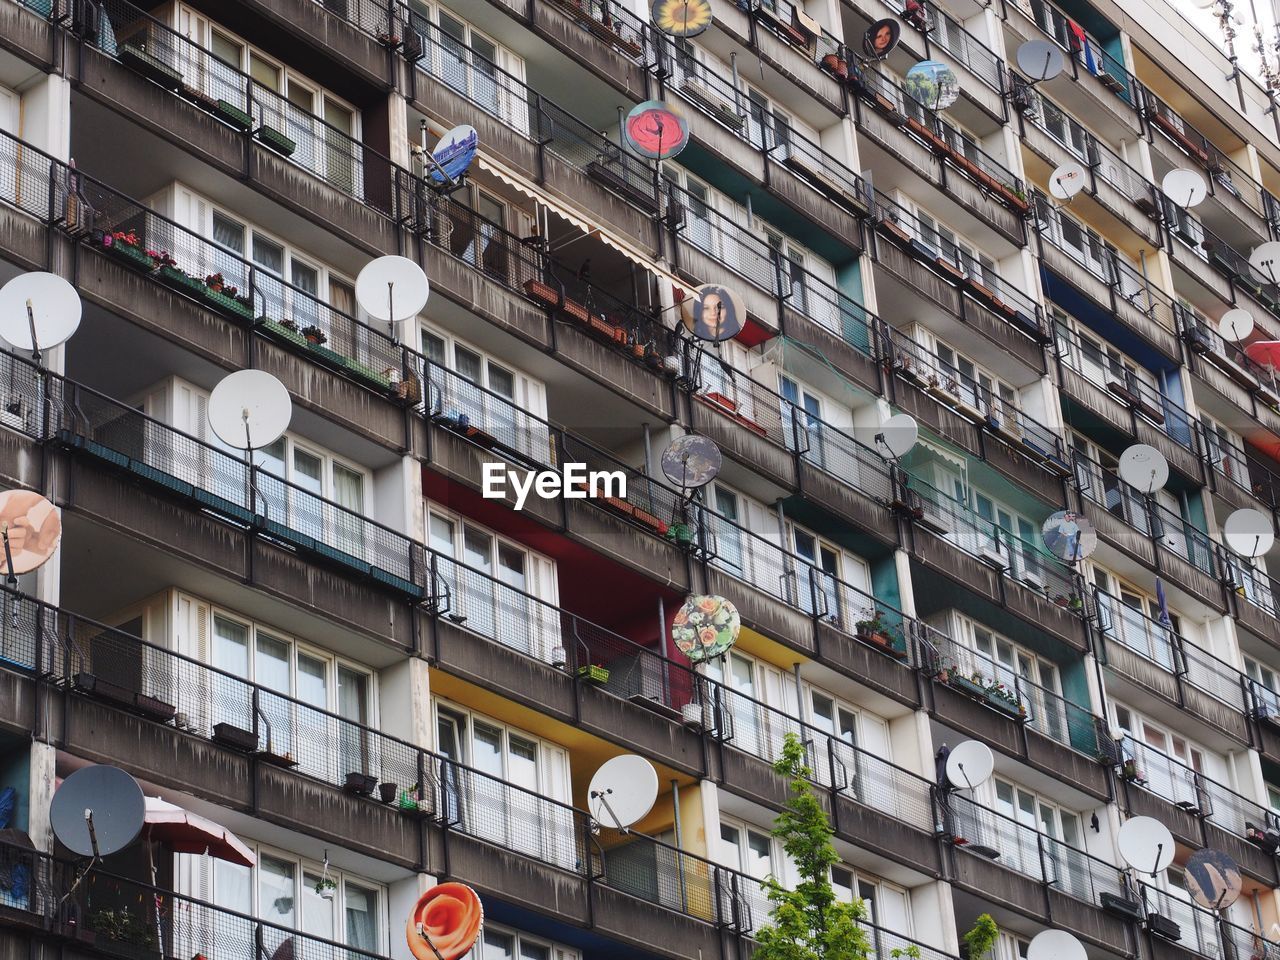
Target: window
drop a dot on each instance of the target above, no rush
(948, 244)
(887, 905)
(312, 684)
(282, 890)
(1032, 679)
(1024, 814)
(802, 421)
(1167, 760)
(468, 387)
(1225, 451)
(824, 578)
(750, 850)
(1265, 686)
(697, 205)
(1132, 617)
(314, 477)
(505, 785)
(499, 943)
(974, 386)
(497, 588)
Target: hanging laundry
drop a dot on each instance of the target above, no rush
(1080, 44)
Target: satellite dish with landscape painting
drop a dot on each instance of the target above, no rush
(453, 154)
(932, 84)
(691, 461)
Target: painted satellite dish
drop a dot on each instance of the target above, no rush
(705, 628)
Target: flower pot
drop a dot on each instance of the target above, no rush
(542, 292)
(151, 67)
(361, 784)
(233, 115)
(135, 256)
(230, 306)
(835, 65)
(274, 139)
(235, 737)
(387, 792)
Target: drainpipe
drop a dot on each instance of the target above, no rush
(675, 805)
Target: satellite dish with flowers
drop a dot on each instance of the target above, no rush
(705, 628)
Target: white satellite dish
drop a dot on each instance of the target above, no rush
(392, 288)
(1067, 180)
(249, 409)
(1265, 261)
(1186, 188)
(1040, 60)
(1146, 844)
(38, 311)
(622, 791)
(970, 765)
(1235, 325)
(1249, 532)
(1144, 468)
(1055, 945)
(898, 435)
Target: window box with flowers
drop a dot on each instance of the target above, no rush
(876, 632)
(314, 336)
(176, 277)
(1002, 697)
(226, 299)
(285, 330)
(127, 246)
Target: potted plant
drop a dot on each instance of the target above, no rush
(1130, 772)
(972, 683)
(871, 630)
(681, 533)
(226, 298)
(326, 887)
(233, 115)
(1005, 699)
(315, 336)
(126, 245)
(836, 65)
(981, 939)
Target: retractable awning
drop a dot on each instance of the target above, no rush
(583, 222)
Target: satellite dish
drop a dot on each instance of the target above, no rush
(1203, 4)
(705, 628)
(1144, 468)
(249, 409)
(1186, 188)
(1249, 532)
(1067, 180)
(691, 461)
(1056, 945)
(655, 130)
(932, 84)
(98, 811)
(1040, 60)
(622, 791)
(1146, 844)
(881, 38)
(1235, 325)
(1069, 536)
(38, 311)
(970, 765)
(392, 288)
(453, 154)
(714, 312)
(445, 922)
(1265, 261)
(30, 528)
(1213, 879)
(898, 435)
(681, 18)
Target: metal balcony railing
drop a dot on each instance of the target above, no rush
(1147, 515)
(1224, 173)
(946, 32)
(1017, 559)
(1019, 846)
(1045, 711)
(1088, 149)
(1183, 786)
(1205, 933)
(974, 400)
(1227, 356)
(1011, 303)
(1254, 586)
(1057, 26)
(1161, 645)
(1137, 392)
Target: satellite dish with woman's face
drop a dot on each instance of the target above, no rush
(714, 313)
(881, 38)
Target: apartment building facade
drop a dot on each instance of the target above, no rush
(377, 678)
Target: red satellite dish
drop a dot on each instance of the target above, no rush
(445, 922)
(656, 131)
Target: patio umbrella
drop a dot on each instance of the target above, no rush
(187, 832)
(1265, 353)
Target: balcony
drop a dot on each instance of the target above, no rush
(602, 35)
(1011, 863)
(910, 133)
(991, 701)
(966, 291)
(874, 804)
(1153, 658)
(993, 562)
(1119, 189)
(1203, 932)
(1233, 194)
(1231, 275)
(1255, 596)
(968, 413)
(1108, 94)
(1198, 810)
(1148, 530)
(1126, 401)
(1226, 369)
(1114, 287)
